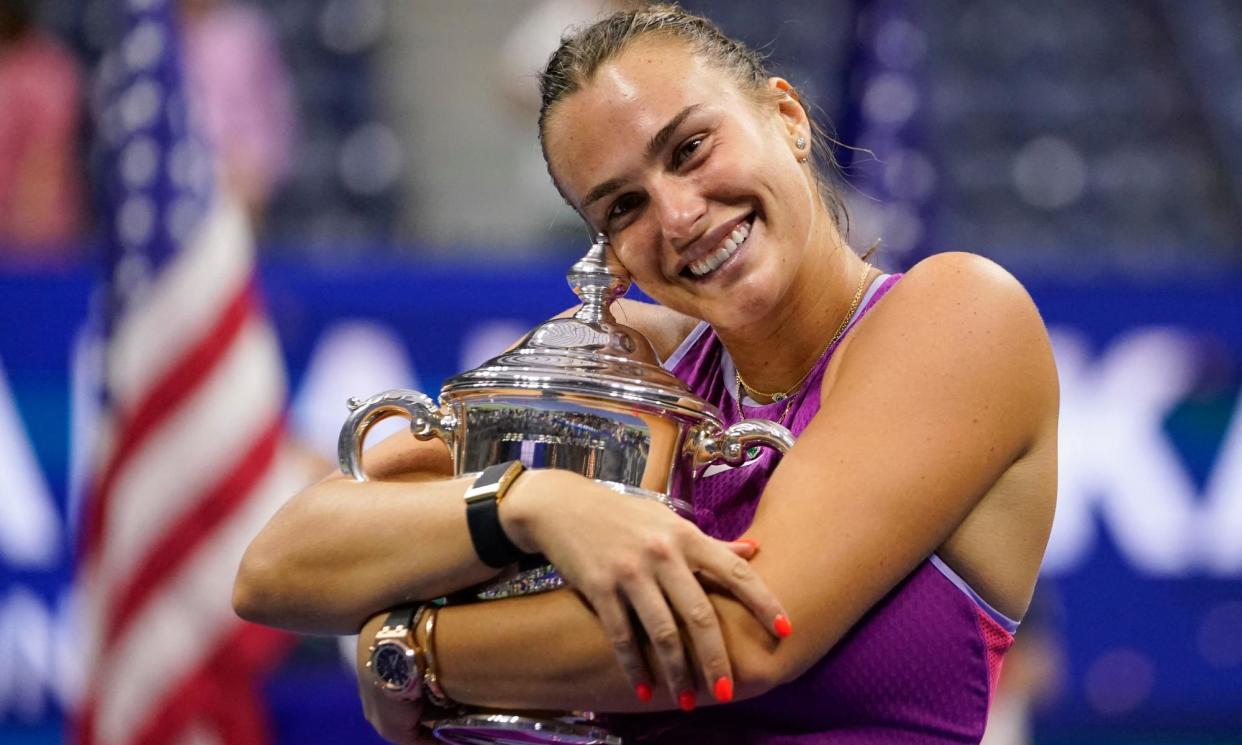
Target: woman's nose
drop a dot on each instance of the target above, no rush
(681, 210)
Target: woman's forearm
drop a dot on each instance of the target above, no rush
(343, 550)
(550, 652)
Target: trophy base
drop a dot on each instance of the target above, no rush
(511, 729)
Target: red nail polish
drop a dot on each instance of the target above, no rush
(724, 689)
(782, 625)
(749, 542)
(686, 700)
(643, 691)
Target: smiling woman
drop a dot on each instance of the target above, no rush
(669, 148)
(901, 535)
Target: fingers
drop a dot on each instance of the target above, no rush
(666, 590)
(394, 720)
(657, 619)
(744, 547)
(721, 564)
(616, 622)
(698, 615)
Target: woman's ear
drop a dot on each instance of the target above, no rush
(789, 107)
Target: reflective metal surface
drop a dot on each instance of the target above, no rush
(510, 729)
(426, 421)
(584, 394)
(552, 433)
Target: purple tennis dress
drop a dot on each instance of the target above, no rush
(919, 667)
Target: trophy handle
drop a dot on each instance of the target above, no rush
(426, 421)
(711, 445)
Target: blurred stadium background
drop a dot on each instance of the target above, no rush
(407, 230)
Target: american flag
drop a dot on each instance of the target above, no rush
(191, 460)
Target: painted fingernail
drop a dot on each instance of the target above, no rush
(754, 545)
(686, 700)
(724, 689)
(643, 691)
(782, 625)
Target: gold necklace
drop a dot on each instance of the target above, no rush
(744, 387)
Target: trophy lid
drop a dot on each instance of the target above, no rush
(587, 354)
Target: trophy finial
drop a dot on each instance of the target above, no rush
(596, 283)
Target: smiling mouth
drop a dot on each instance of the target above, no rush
(707, 265)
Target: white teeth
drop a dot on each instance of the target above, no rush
(728, 246)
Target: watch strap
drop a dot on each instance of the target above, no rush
(483, 515)
(403, 616)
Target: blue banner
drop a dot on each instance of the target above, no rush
(1140, 608)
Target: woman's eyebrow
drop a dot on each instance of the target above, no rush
(654, 146)
(660, 139)
(602, 191)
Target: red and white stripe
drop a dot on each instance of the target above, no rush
(193, 464)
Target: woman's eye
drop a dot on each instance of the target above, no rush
(687, 149)
(622, 206)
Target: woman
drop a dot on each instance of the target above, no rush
(902, 533)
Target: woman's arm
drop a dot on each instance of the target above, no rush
(340, 550)
(490, 654)
(948, 384)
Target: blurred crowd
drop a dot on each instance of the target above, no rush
(42, 182)
(1061, 138)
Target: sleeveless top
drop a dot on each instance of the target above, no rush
(919, 667)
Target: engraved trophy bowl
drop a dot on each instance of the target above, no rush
(583, 393)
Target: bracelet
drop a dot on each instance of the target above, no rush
(431, 680)
(420, 654)
(483, 515)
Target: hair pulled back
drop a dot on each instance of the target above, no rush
(584, 49)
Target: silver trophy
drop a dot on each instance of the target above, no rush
(582, 393)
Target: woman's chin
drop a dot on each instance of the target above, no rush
(741, 311)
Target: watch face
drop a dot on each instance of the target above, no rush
(391, 663)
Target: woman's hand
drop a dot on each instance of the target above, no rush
(394, 720)
(623, 553)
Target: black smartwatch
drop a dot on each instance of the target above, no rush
(395, 659)
(483, 516)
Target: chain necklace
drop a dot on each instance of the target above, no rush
(744, 388)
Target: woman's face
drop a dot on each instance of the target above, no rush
(697, 186)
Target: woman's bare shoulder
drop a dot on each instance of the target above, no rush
(966, 313)
(961, 266)
(957, 286)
